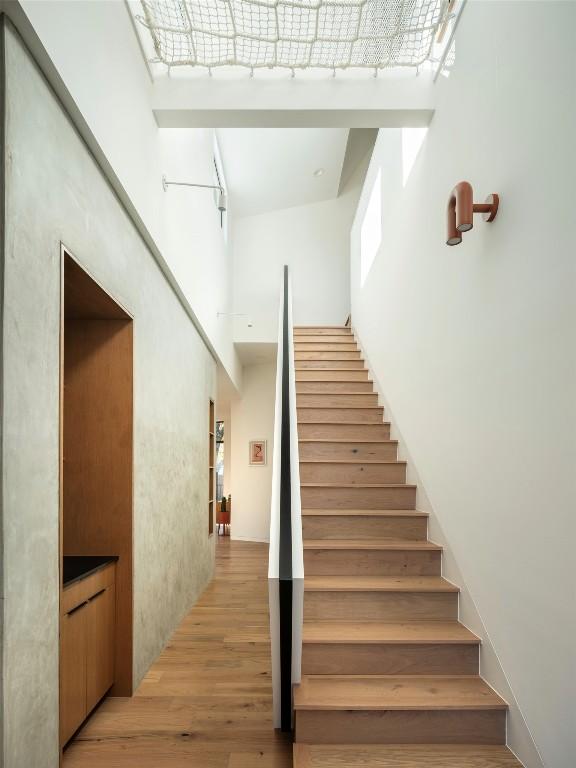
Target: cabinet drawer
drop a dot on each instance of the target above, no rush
(83, 590)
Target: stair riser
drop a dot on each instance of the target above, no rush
(341, 451)
(381, 606)
(329, 431)
(339, 365)
(326, 331)
(341, 376)
(340, 415)
(321, 400)
(401, 727)
(344, 659)
(328, 338)
(326, 346)
(354, 527)
(317, 355)
(319, 562)
(321, 472)
(321, 387)
(358, 498)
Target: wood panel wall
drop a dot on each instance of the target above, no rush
(97, 461)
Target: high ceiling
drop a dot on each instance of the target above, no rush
(270, 168)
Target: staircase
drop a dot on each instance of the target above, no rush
(390, 678)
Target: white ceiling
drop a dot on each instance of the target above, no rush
(271, 168)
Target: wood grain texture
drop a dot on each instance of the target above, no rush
(333, 375)
(432, 658)
(207, 700)
(391, 496)
(381, 605)
(353, 354)
(345, 386)
(384, 658)
(352, 471)
(340, 449)
(425, 726)
(341, 431)
(337, 399)
(97, 460)
(340, 414)
(403, 756)
(330, 364)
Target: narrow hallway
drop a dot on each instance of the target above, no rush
(207, 700)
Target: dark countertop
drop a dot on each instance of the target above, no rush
(77, 567)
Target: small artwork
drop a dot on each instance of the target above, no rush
(258, 452)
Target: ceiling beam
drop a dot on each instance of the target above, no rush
(383, 102)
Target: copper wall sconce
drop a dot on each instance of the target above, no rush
(461, 209)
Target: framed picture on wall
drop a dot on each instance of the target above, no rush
(258, 452)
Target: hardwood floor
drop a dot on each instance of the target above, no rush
(207, 700)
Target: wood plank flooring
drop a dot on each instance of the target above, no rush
(207, 700)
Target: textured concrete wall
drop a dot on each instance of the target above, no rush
(55, 193)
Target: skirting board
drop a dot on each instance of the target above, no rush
(249, 538)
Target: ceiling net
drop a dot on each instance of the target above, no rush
(296, 34)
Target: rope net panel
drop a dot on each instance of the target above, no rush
(297, 34)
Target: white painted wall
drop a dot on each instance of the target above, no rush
(96, 53)
(252, 418)
(474, 346)
(314, 241)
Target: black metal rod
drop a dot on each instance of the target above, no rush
(285, 546)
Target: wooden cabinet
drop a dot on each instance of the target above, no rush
(72, 671)
(87, 628)
(99, 646)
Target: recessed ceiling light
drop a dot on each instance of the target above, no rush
(319, 172)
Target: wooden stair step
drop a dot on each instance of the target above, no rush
(371, 544)
(353, 471)
(371, 557)
(391, 598)
(373, 632)
(339, 414)
(332, 375)
(343, 344)
(335, 448)
(341, 387)
(353, 354)
(364, 512)
(323, 330)
(379, 584)
(403, 756)
(337, 399)
(326, 338)
(352, 430)
(330, 364)
(358, 495)
(389, 692)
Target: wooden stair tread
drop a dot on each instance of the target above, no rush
(343, 439)
(352, 461)
(379, 584)
(383, 544)
(388, 692)
(403, 756)
(346, 424)
(339, 381)
(340, 407)
(357, 485)
(363, 513)
(401, 633)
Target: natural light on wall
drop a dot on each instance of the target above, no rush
(371, 232)
(412, 140)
